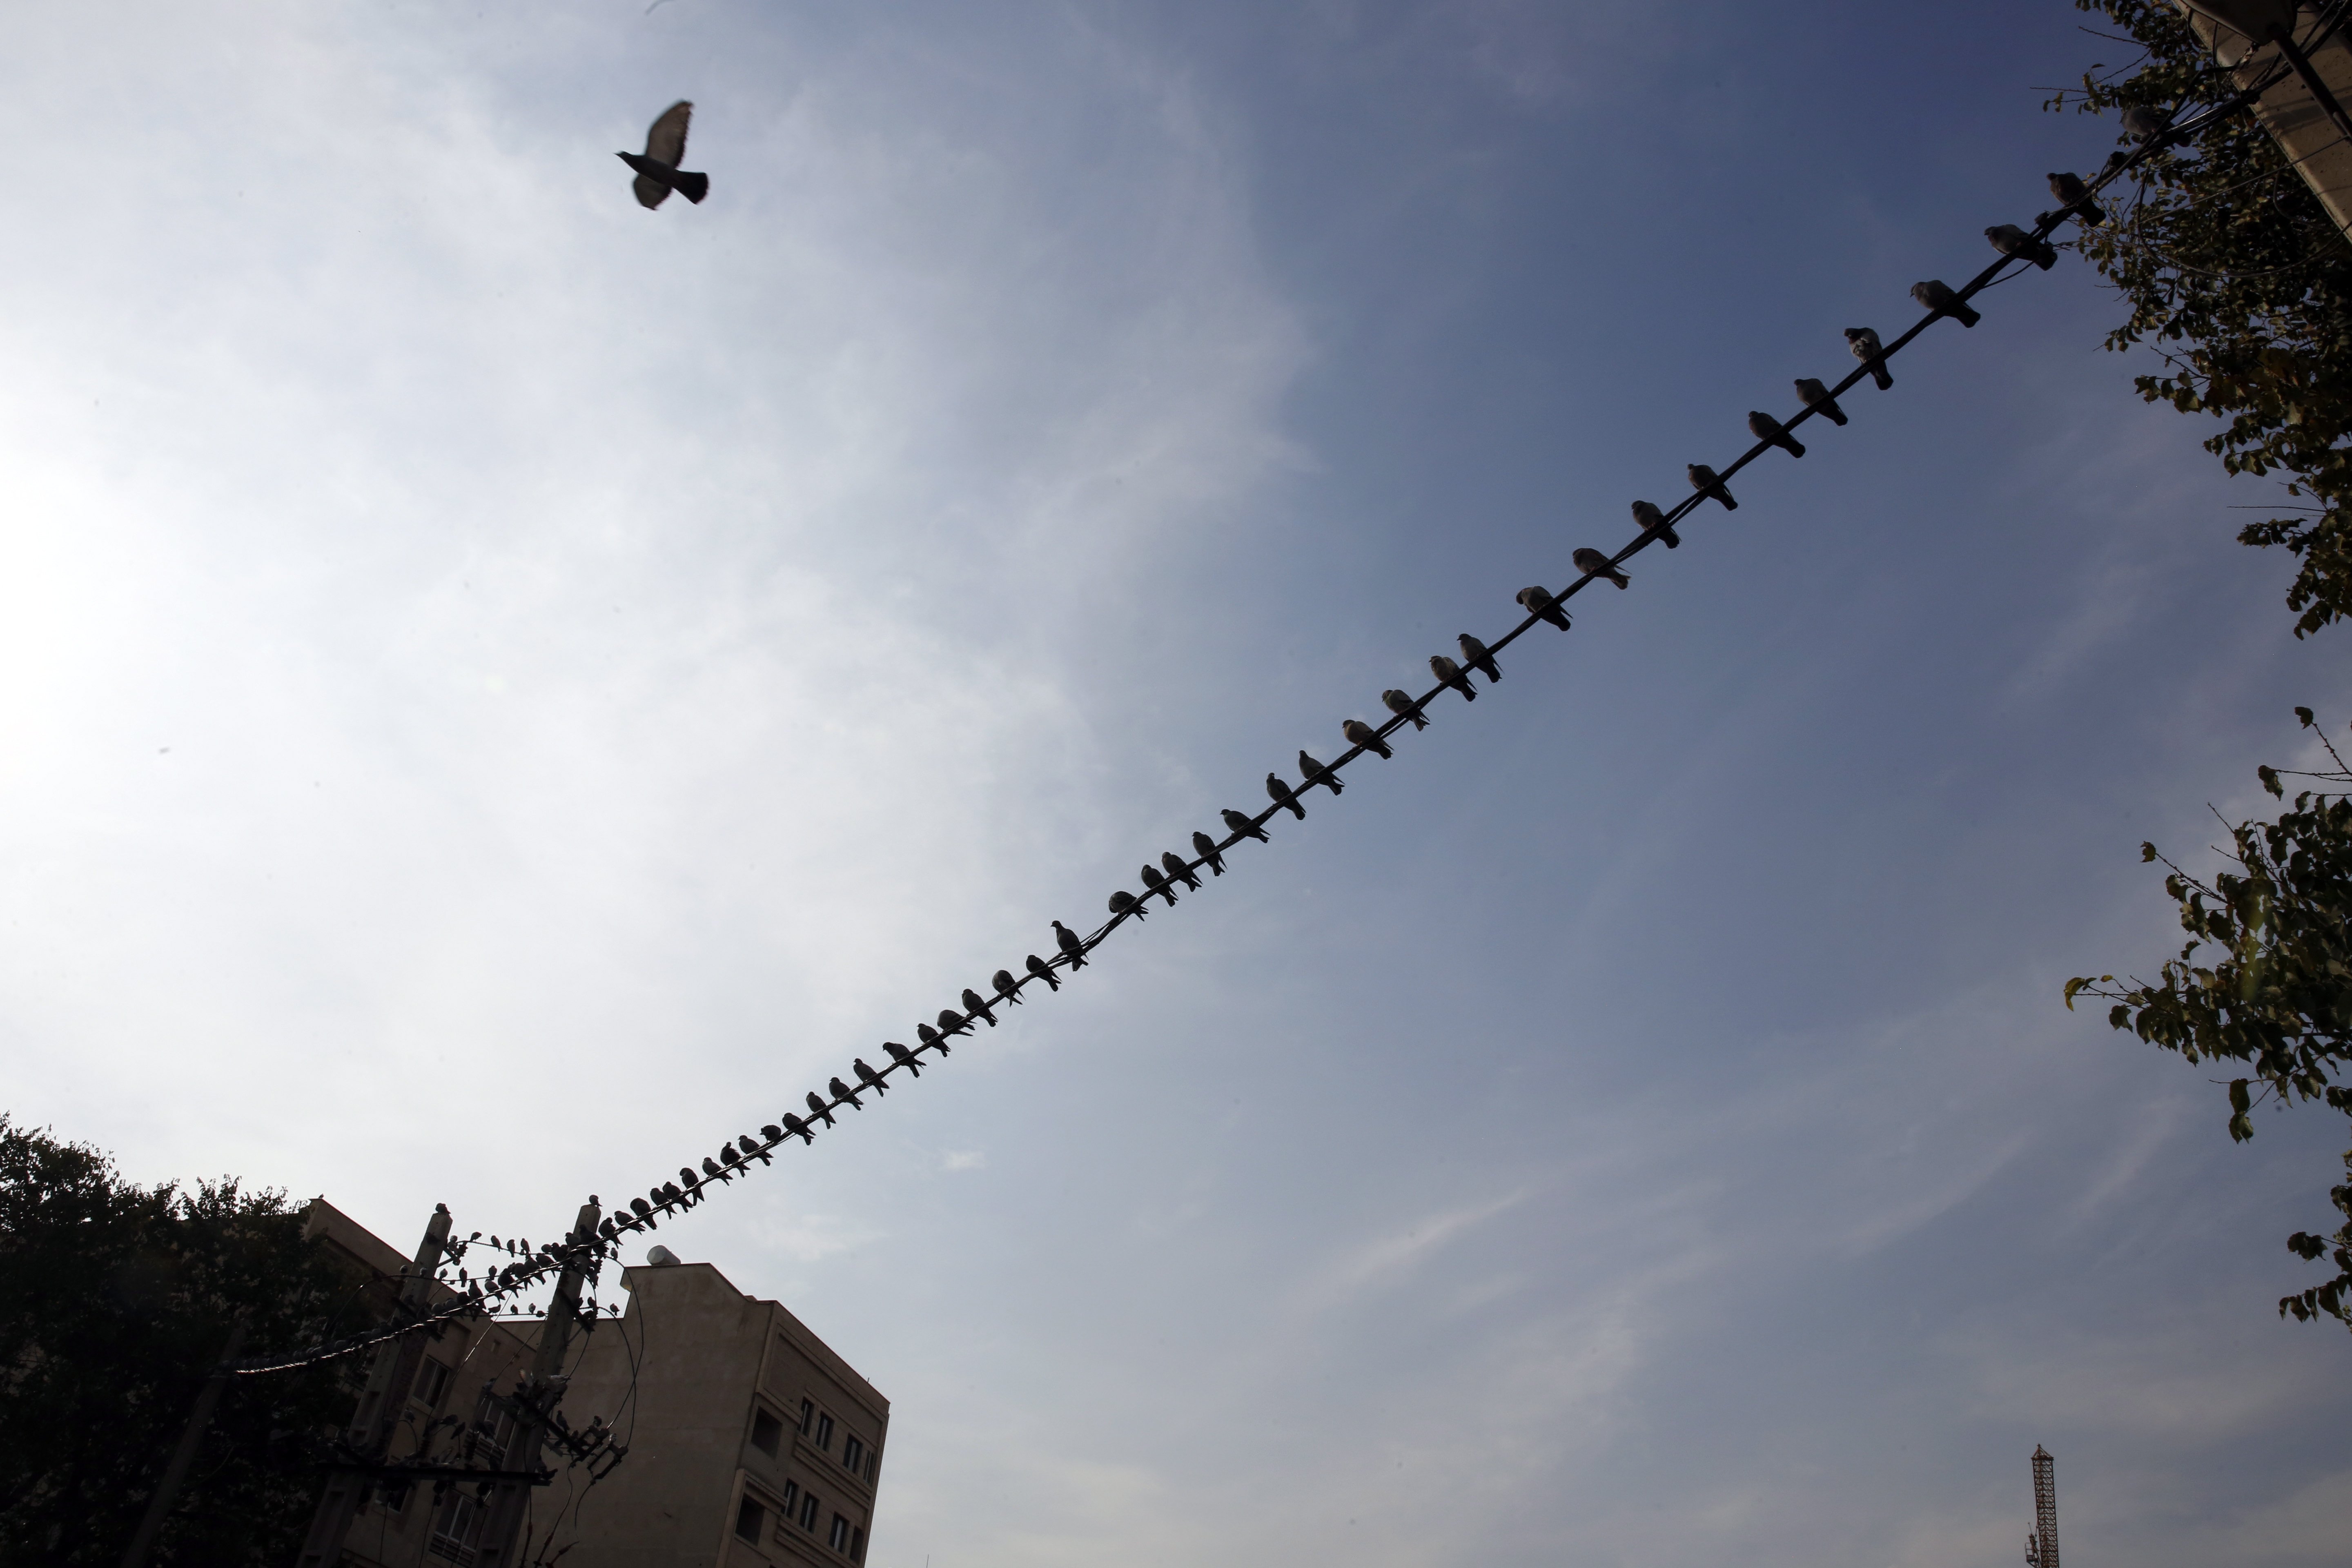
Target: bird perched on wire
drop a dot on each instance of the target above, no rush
(1007, 988)
(1316, 773)
(710, 1170)
(2143, 122)
(928, 1039)
(1707, 482)
(1816, 396)
(1123, 904)
(1536, 600)
(1362, 734)
(866, 1075)
(1593, 563)
(1868, 349)
(2018, 246)
(1236, 823)
(900, 1056)
(1764, 427)
(1653, 520)
(1479, 656)
(1044, 971)
(1206, 848)
(657, 166)
(1154, 882)
(2071, 192)
(1178, 870)
(843, 1094)
(1936, 295)
(798, 1129)
(1072, 948)
(1279, 788)
(1449, 673)
(953, 1023)
(818, 1108)
(1403, 707)
(977, 1006)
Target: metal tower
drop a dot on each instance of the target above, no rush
(2041, 1546)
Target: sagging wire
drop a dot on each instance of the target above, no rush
(476, 1298)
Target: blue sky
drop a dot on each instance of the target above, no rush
(500, 691)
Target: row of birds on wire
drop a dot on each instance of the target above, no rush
(472, 1296)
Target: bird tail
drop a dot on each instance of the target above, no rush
(1967, 315)
(1885, 382)
(1620, 579)
(693, 187)
(1834, 416)
(2091, 213)
(1673, 541)
(1796, 447)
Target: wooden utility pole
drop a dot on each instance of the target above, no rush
(390, 1371)
(542, 1391)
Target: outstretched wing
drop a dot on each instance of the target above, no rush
(666, 142)
(650, 192)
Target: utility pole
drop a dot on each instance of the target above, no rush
(2041, 1546)
(541, 1392)
(2304, 109)
(159, 1506)
(390, 1371)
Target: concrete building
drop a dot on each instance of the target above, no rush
(749, 1442)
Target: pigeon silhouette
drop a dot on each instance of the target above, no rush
(928, 1039)
(1536, 601)
(1279, 789)
(901, 1056)
(1403, 707)
(953, 1023)
(1936, 295)
(1450, 674)
(1703, 480)
(1477, 655)
(1067, 941)
(1154, 882)
(2018, 246)
(1362, 734)
(799, 1128)
(1593, 563)
(2144, 123)
(1044, 971)
(1653, 520)
(2071, 192)
(843, 1094)
(1177, 869)
(1206, 848)
(865, 1075)
(1122, 904)
(657, 166)
(1764, 427)
(1235, 822)
(1867, 348)
(711, 1170)
(817, 1106)
(1816, 396)
(974, 1005)
(1316, 773)
(1006, 986)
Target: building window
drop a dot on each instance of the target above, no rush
(791, 1497)
(858, 1544)
(839, 1536)
(767, 1431)
(751, 1519)
(432, 1382)
(824, 1432)
(808, 1417)
(808, 1511)
(493, 1428)
(455, 1528)
(852, 1452)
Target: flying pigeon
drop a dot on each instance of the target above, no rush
(901, 1056)
(1235, 822)
(1593, 563)
(865, 1075)
(1450, 674)
(1316, 773)
(2070, 190)
(1177, 869)
(842, 1091)
(1538, 601)
(1154, 882)
(658, 171)
(1068, 940)
(1936, 295)
(1044, 971)
(929, 1040)
(1653, 520)
(974, 1005)
(799, 1128)
(1818, 396)
(1360, 733)
(1122, 903)
(1867, 348)
(2143, 124)
(1703, 480)
(1764, 427)
(1475, 654)
(1006, 986)
(816, 1104)
(953, 1023)
(2018, 246)
(1206, 848)
(1279, 788)
(1403, 707)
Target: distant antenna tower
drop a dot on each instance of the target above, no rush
(2041, 1546)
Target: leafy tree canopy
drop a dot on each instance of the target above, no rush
(115, 1301)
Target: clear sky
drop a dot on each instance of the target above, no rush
(500, 691)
